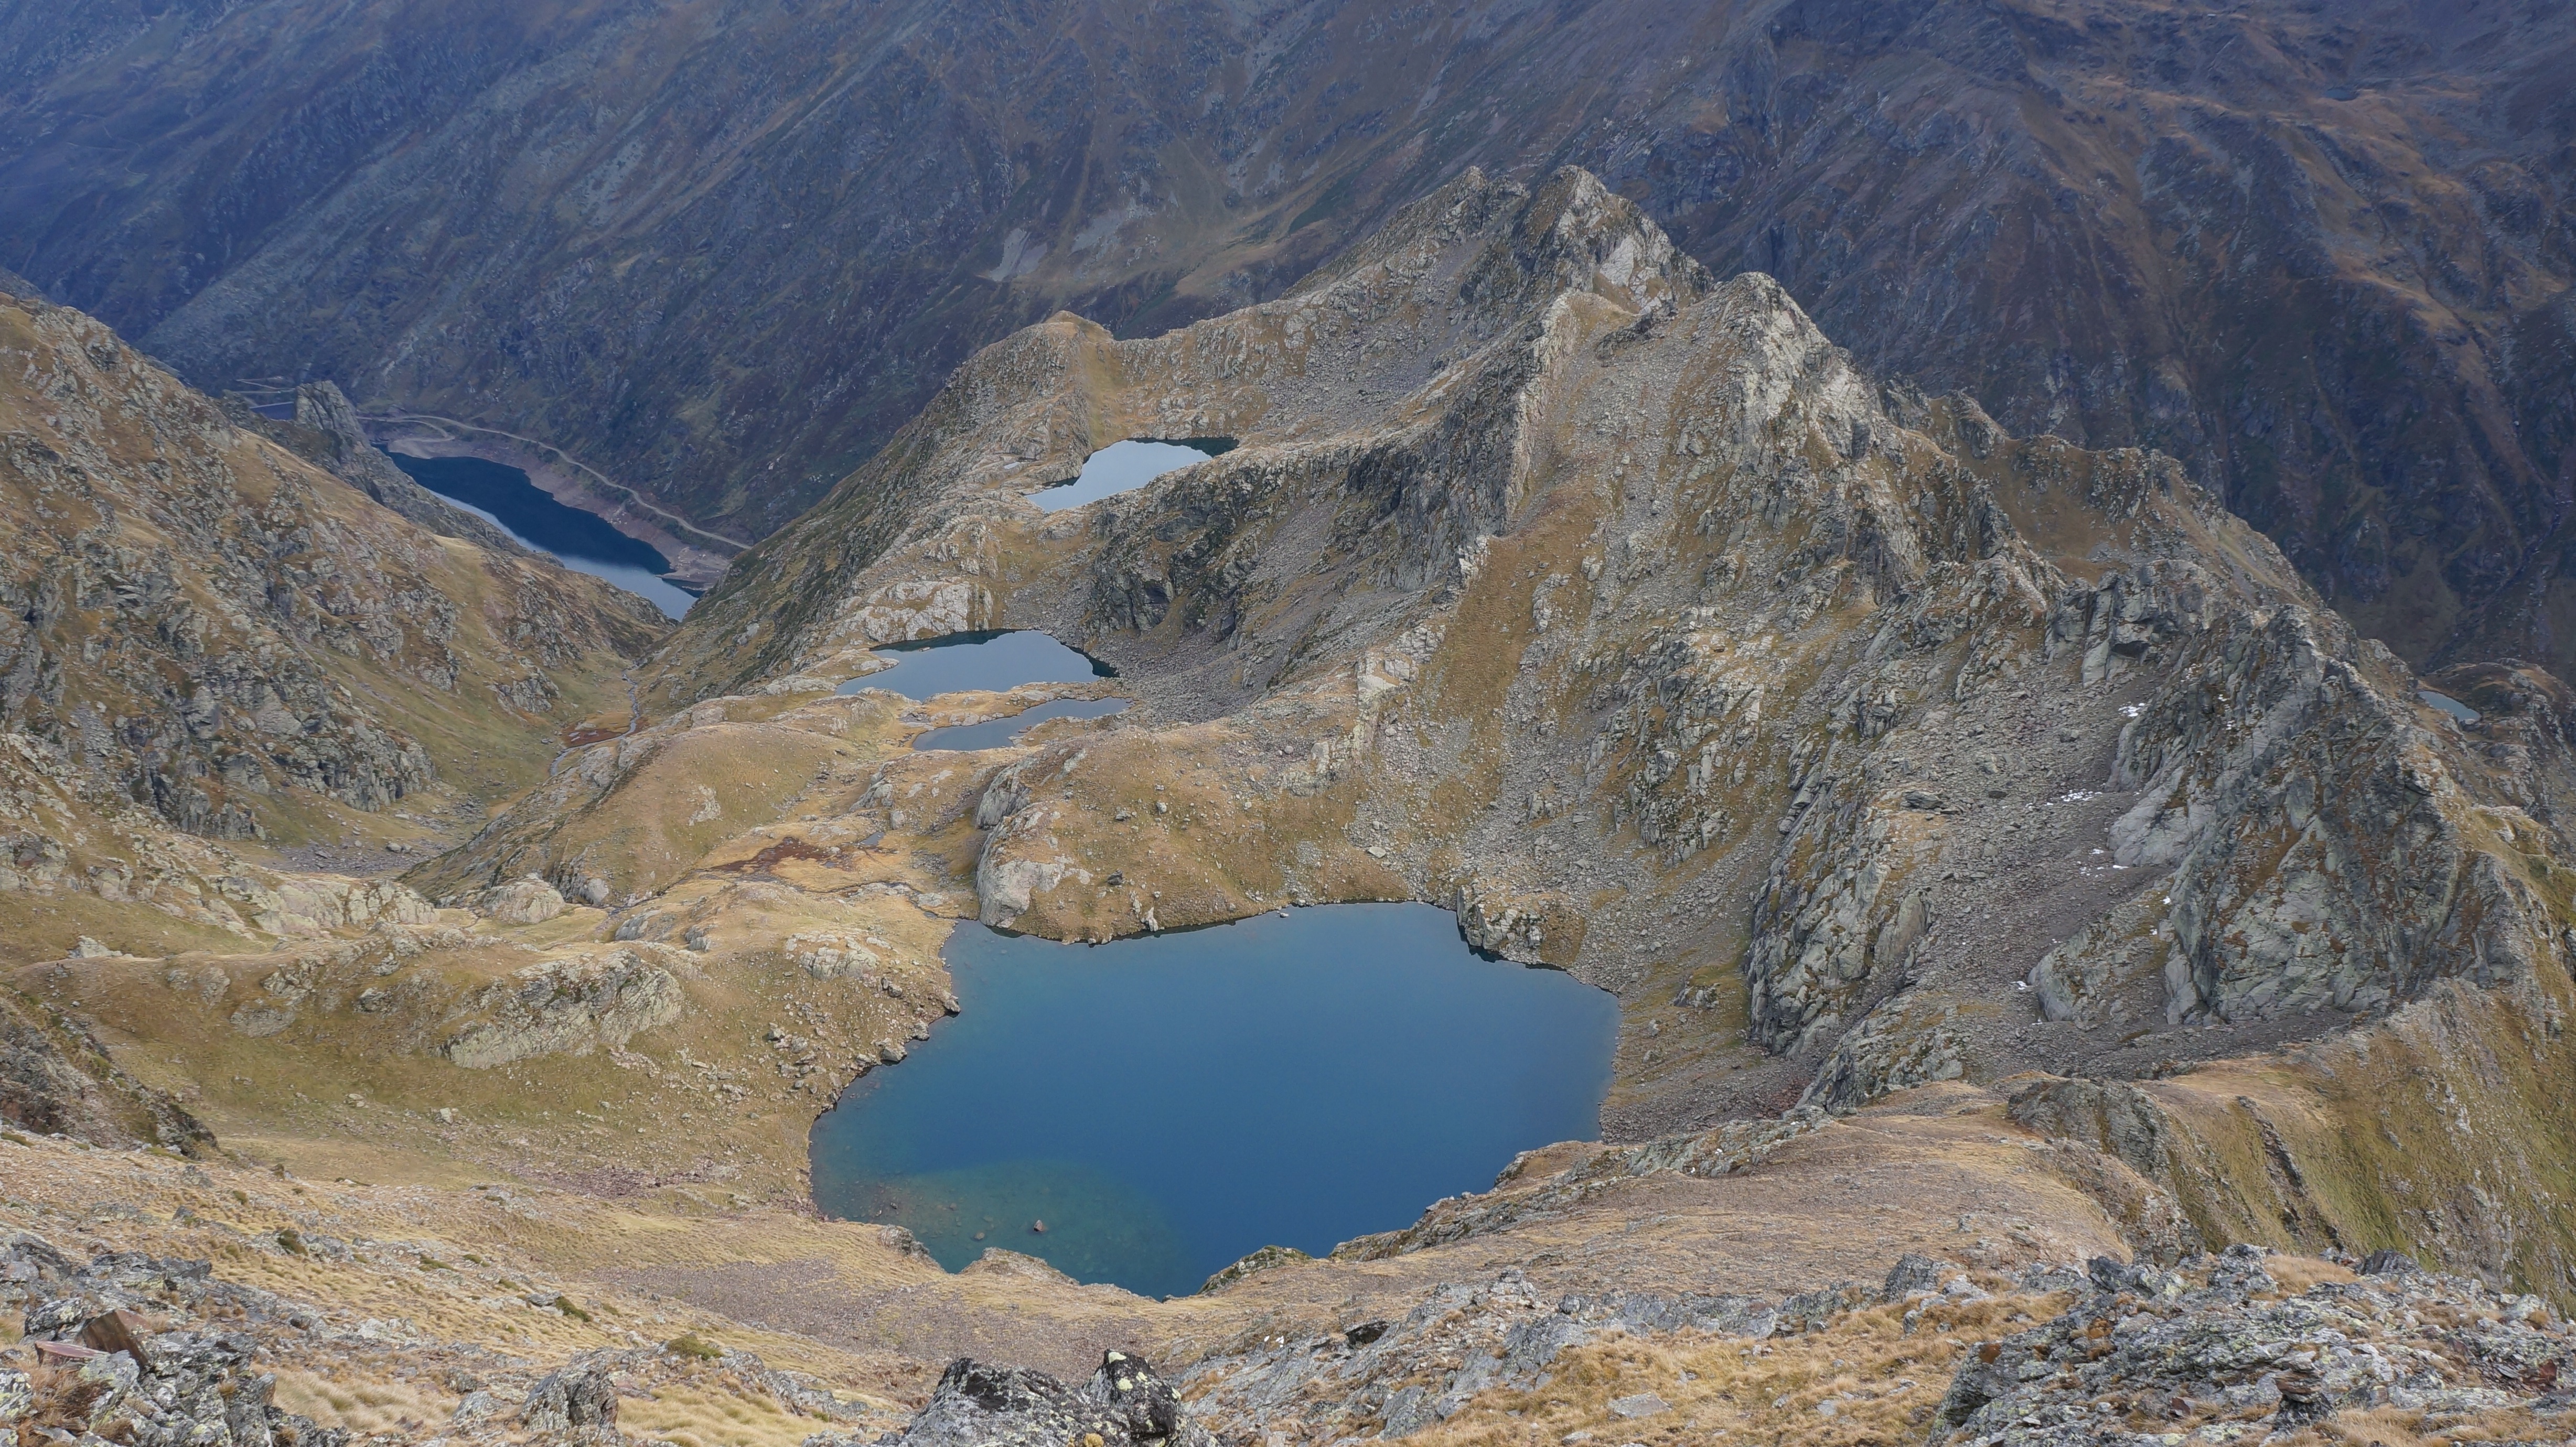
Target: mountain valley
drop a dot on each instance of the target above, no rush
(2081, 973)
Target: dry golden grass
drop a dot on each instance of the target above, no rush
(2297, 1274)
(1859, 1382)
(368, 1406)
(2394, 1427)
(698, 1417)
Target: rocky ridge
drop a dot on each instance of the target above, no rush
(221, 629)
(2321, 255)
(1874, 756)
(325, 430)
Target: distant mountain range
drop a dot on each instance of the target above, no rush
(2321, 253)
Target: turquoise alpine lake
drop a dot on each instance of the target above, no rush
(1167, 1104)
(992, 660)
(1126, 466)
(503, 496)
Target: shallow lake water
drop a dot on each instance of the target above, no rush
(2448, 705)
(994, 660)
(1126, 466)
(993, 733)
(1170, 1103)
(584, 542)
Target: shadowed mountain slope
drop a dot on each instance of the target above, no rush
(2319, 253)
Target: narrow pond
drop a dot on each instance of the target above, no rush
(584, 542)
(1126, 466)
(992, 660)
(993, 733)
(1165, 1105)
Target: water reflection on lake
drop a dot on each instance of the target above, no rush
(996, 661)
(1125, 466)
(1167, 1104)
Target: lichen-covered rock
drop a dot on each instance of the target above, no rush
(1125, 1404)
(579, 1395)
(181, 1387)
(2148, 1356)
(521, 901)
(1259, 1261)
(567, 1006)
(1374, 1378)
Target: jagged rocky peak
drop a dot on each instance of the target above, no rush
(1616, 597)
(1385, 337)
(232, 635)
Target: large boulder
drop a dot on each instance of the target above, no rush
(580, 1395)
(1125, 1404)
(521, 901)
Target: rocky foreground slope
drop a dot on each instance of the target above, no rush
(2002, 859)
(293, 1333)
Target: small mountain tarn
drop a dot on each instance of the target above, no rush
(993, 661)
(2449, 705)
(1126, 466)
(1330, 1069)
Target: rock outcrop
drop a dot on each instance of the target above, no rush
(521, 901)
(120, 1378)
(1125, 1404)
(2144, 1354)
(565, 1006)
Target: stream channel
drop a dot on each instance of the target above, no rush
(1164, 1105)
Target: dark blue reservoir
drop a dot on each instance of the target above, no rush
(584, 542)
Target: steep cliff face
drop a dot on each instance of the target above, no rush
(235, 638)
(2320, 255)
